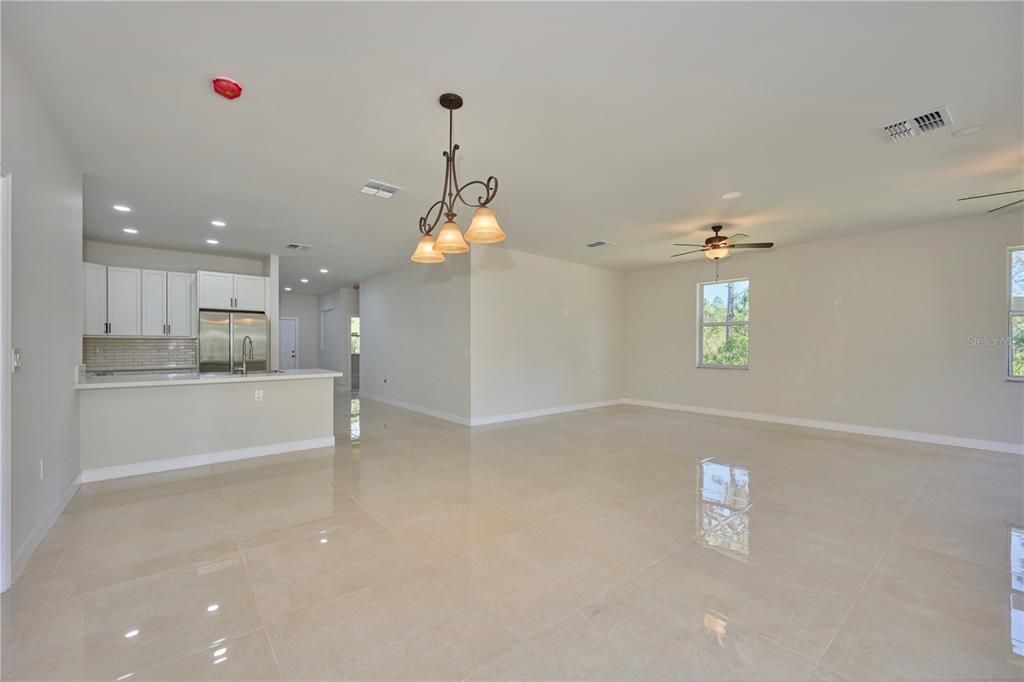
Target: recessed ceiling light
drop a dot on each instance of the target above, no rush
(218, 223)
(212, 241)
(130, 634)
(304, 280)
(122, 208)
(969, 130)
(287, 288)
(213, 607)
(732, 195)
(129, 230)
(324, 271)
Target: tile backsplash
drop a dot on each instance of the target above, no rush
(99, 353)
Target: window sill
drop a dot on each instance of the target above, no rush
(744, 367)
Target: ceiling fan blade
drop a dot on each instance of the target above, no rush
(738, 237)
(686, 253)
(1012, 203)
(755, 245)
(700, 245)
(994, 194)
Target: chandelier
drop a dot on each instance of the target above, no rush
(483, 228)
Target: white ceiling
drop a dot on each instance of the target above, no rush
(622, 122)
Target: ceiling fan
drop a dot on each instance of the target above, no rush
(998, 194)
(719, 246)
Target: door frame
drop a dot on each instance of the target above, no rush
(296, 321)
(6, 368)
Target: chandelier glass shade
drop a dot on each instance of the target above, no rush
(425, 252)
(483, 228)
(449, 239)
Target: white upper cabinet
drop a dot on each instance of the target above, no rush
(133, 302)
(95, 287)
(154, 303)
(168, 303)
(216, 290)
(224, 291)
(250, 293)
(124, 301)
(181, 307)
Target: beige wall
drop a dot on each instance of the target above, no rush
(131, 425)
(415, 334)
(871, 330)
(545, 333)
(46, 305)
(303, 307)
(125, 255)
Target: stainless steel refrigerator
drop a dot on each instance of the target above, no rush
(221, 335)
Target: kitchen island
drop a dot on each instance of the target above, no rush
(145, 423)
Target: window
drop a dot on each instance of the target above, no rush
(1016, 299)
(354, 336)
(722, 329)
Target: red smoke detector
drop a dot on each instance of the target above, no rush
(225, 87)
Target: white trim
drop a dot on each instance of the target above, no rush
(24, 553)
(920, 436)
(155, 466)
(416, 408)
(530, 414)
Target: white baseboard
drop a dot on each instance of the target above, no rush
(530, 414)
(920, 436)
(154, 466)
(417, 408)
(24, 553)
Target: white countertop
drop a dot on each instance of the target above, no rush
(193, 378)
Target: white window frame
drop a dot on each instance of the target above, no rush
(1011, 313)
(701, 324)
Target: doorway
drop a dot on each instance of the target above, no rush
(289, 342)
(354, 348)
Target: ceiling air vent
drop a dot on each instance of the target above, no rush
(379, 189)
(918, 125)
(597, 245)
(298, 247)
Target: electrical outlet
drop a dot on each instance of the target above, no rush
(259, 395)
(837, 399)
(839, 303)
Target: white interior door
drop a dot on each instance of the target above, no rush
(289, 344)
(6, 361)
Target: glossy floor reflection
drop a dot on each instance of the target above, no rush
(622, 543)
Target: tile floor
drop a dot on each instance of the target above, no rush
(614, 544)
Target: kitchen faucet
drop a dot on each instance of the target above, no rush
(248, 353)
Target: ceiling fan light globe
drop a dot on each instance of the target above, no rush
(717, 254)
(484, 228)
(425, 252)
(449, 239)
